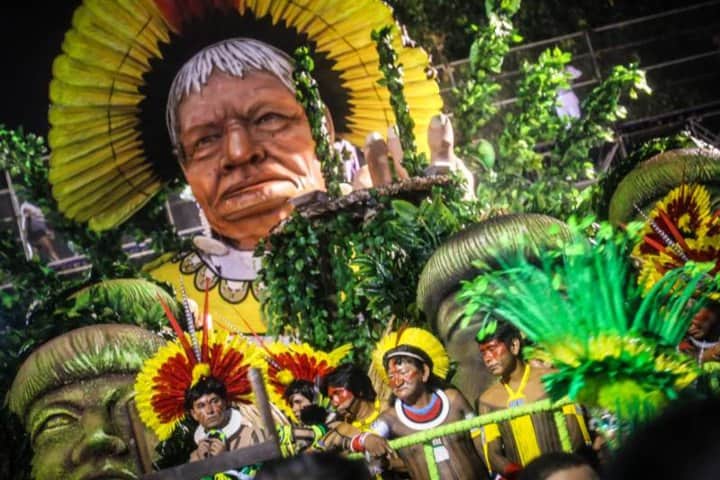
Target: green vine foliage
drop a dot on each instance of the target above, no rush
(608, 184)
(39, 305)
(487, 52)
(24, 156)
(307, 93)
(413, 161)
(341, 279)
(513, 173)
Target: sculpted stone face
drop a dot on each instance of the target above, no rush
(82, 431)
(248, 150)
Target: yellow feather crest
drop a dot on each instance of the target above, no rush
(412, 337)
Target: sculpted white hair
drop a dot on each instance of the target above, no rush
(233, 56)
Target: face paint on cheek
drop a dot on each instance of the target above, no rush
(493, 350)
(398, 375)
(339, 396)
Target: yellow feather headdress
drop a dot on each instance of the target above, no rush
(412, 341)
(110, 152)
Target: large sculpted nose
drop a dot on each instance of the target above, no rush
(99, 438)
(239, 147)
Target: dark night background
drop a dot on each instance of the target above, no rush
(31, 37)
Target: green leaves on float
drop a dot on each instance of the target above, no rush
(308, 95)
(413, 161)
(358, 273)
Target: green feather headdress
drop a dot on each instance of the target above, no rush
(613, 347)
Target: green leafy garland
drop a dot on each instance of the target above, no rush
(24, 156)
(341, 278)
(521, 178)
(307, 93)
(413, 161)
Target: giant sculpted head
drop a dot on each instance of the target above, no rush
(242, 139)
(73, 394)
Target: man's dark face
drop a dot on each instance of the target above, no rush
(341, 399)
(498, 358)
(297, 402)
(704, 322)
(210, 411)
(406, 379)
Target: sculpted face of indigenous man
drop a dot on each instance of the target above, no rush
(243, 140)
(73, 394)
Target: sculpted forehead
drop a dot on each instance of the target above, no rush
(226, 94)
(101, 391)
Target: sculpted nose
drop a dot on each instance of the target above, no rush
(98, 440)
(240, 148)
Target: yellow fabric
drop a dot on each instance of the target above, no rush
(234, 317)
(522, 427)
(490, 433)
(573, 409)
(525, 438)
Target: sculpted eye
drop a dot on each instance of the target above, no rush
(206, 140)
(54, 423)
(271, 120)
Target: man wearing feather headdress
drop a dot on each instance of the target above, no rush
(415, 365)
(508, 446)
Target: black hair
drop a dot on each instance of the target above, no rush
(313, 415)
(505, 332)
(314, 466)
(303, 387)
(205, 386)
(545, 465)
(354, 379)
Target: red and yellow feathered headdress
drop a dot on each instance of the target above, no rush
(681, 228)
(164, 378)
(290, 362)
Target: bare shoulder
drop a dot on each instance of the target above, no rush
(491, 399)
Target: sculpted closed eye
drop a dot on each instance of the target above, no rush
(53, 423)
(271, 120)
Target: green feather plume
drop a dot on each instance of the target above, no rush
(612, 346)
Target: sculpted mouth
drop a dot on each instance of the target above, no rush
(243, 188)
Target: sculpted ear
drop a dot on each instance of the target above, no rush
(426, 373)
